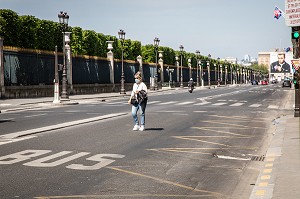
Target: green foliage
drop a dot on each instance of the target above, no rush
(261, 68)
(47, 35)
(77, 41)
(28, 32)
(10, 27)
(148, 53)
(90, 42)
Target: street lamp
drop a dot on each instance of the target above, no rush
(197, 58)
(121, 34)
(219, 70)
(208, 69)
(181, 76)
(63, 20)
(156, 44)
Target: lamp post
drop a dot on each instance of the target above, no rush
(63, 20)
(219, 70)
(156, 44)
(225, 75)
(197, 58)
(208, 69)
(121, 34)
(181, 76)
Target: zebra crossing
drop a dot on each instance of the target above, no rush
(218, 103)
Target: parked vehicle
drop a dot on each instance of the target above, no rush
(264, 82)
(287, 83)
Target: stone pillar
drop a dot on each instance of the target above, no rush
(2, 86)
(190, 68)
(161, 64)
(226, 75)
(69, 60)
(140, 61)
(177, 67)
(110, 57)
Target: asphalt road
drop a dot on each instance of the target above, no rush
(208, 144)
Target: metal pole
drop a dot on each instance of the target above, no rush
(181, 76)
(64, 93)
(122, 74)
(2, 85)
(197, 73)
(231, 74)
(155, 76)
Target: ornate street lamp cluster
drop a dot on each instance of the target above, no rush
(181, 76)
(63, 20)
(156, 44)
(197, 60)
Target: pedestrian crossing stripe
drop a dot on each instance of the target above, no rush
(219, 104)
(195, 103)
(255, 105)
(237, 104)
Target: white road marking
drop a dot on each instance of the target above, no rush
(75, 111)
(184, 103)
(219, 104)
(35, 115)
(273, 107)
(153, 102)
(100, 159)
(61, 125)
(7, 141)
(5, 104)
(202, 103)
(237, 104)
(170, 111)
(170, 102)
(255, 105)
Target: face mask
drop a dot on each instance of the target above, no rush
(137, 81)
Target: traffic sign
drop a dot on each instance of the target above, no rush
(296, 63)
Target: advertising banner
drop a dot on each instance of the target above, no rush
(292, 12)
(281, 65)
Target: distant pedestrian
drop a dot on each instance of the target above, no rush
(139, 92)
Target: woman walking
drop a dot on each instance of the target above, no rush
(139, 92)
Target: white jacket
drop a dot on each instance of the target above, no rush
(138, 87)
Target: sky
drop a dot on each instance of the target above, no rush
(222, 28)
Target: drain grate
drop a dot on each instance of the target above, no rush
(258, 158)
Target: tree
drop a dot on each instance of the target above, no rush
(10, 27)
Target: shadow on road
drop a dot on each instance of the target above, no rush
(3, 121)
(154, 129)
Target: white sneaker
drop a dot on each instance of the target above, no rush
(136, 127)
(142, 128)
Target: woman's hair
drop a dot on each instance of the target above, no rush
(138, 75)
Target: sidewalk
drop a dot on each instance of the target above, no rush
(280, 176)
